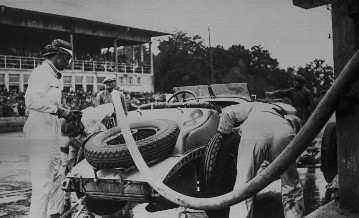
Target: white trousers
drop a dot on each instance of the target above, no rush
(261, 140)
(47, 174)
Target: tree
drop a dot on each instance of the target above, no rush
(319, 76)
(182, 61)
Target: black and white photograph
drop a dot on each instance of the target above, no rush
(179, 109)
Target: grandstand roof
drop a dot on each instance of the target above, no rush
(73, 11)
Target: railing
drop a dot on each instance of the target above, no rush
(17, 62)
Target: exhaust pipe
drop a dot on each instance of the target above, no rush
(342, 85)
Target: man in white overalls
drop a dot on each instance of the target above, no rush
(42, 128)
(265, 134)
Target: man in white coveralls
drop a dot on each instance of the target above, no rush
(42, 129)
(265, 134)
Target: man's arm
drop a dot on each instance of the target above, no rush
(98, 99)
(280, 93)
(232, 114)
(124, 103)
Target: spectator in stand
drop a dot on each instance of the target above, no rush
(21, 105)
(301, 98)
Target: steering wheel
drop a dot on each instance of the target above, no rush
(182, 92)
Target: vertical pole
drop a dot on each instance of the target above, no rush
(141, 47)
(115, 55)
(21, 82)
(73, 82)
(95, 83)
(151, 57)
(210, 55)
(72, 48)
(7, 81)
(84, 83)
(133, 59)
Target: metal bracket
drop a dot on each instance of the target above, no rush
(96, 177)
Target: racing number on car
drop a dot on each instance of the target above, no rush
(196, 114)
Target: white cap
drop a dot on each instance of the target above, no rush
(109, 78)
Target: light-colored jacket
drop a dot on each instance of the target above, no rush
(104, 97)
(42, 97)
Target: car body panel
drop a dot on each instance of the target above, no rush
(196, 125)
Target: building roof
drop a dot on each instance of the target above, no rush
(74, 11)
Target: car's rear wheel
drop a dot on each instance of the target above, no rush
(155, 140)
(329, 161)
(219, 169)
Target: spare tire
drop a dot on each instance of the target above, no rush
(329, 159)
(219, 169)
(155, 140)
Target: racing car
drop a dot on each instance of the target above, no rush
(178, 141)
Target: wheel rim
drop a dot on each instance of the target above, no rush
(138, 134)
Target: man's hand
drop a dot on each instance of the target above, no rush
(63, 113)
(69, 115)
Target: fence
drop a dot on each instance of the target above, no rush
(17, 62)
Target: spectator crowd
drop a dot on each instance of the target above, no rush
(12, 103)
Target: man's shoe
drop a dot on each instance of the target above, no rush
(56, 215)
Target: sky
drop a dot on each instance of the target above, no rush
(292, 35)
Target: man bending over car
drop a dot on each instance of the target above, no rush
(265, 134)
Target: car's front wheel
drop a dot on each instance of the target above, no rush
(219, 169)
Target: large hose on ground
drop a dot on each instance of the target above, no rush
(297, 146)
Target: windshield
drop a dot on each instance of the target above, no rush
(238, 90)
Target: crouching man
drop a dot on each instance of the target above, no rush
(91, 122)
(265, 134)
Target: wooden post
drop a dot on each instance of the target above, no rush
(345, 35)
(115, 54)
(151, 58)
(73, 52)
(345, 25)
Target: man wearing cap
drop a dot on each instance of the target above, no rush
(77, 135)
(265, 133)
(42, 129)
(105, 96)
(301, 98)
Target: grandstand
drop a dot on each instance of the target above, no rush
(100, 48)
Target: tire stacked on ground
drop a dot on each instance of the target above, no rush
(156, 140)
(219, 172)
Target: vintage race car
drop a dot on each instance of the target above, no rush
(179, 143)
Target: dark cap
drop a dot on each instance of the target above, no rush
(299, 77)
(70, 129)
(58, 46)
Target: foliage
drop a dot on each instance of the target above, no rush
(319, 77)
(184, 60)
